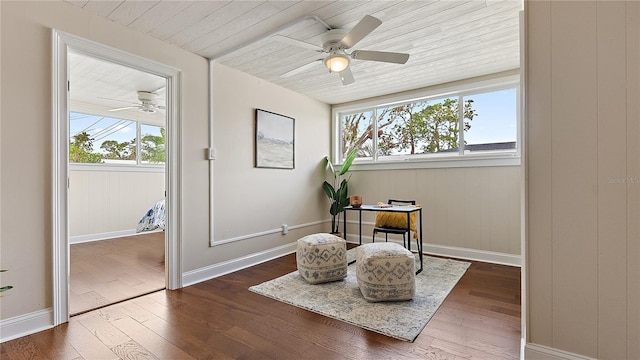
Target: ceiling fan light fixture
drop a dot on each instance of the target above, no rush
(336, 62)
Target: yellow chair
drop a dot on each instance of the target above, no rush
(395, 223)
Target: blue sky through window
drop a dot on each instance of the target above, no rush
(103, 128)
(496, 117)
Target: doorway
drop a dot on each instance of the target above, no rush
(65, 105)
(117, 133)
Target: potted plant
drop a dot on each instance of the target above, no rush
(338, 191)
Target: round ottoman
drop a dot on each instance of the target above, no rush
(385, 272)
(322, 258)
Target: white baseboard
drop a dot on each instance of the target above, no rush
(473, 254)
(213, 271)
(26, 324)
(107, 235)
(457, 252)
(534, 351)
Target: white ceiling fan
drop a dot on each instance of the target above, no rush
(335, 43)
(147, 103)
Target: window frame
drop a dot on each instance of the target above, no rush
(460, 90)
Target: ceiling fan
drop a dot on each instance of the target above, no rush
(147, 103)
(335, 43)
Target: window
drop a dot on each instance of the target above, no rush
(468, 123)
(105, 140)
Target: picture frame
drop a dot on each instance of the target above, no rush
(274, 140)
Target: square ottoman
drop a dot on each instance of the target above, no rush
(385, 272)
(322, 258)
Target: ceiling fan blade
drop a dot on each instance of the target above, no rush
(124, 108)
(300, 69)
(362, 29)
(390, 57)
(347, 76)
(156, 91)
(120, 100)
(296, 42)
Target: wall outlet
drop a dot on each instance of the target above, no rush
(285, 229)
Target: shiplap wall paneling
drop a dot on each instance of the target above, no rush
(632, 21)
(435, 204)
(474, 208)
(583, 135)
(611, 160)
(574, 175)
(111, 201)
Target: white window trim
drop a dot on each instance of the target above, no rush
(502, 158)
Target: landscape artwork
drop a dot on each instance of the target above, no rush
(274, 140)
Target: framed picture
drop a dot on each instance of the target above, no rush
(274, 140)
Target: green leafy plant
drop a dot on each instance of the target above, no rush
(4, 288)
(338, 192)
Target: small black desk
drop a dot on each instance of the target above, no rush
(395, 208)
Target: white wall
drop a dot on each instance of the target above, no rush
(103, 201)
(583, 146)
(249, 200)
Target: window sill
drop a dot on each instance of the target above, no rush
(511, 159)
(116, 167)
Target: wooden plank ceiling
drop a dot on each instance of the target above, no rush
(448, 40)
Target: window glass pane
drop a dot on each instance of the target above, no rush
(420, 127)
(357, 132)
(152, 144)
(99, 139)
(494, 124)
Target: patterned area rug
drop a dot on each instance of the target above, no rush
(342, 300)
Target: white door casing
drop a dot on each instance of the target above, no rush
(62, 42)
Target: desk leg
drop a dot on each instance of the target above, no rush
(421, 245)
(409, 232)
(360, 226)
(344, 224)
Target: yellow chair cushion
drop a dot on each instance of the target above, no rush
(396, 220)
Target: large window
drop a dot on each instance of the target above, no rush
(468, 123)
(106, 140)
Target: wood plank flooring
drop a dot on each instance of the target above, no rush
(108, 271)
(221, 319)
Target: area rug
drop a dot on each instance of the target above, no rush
(342, 300)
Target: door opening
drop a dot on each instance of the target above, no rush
(117, 137)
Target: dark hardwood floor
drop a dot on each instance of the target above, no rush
(221, 319)
(108, 271)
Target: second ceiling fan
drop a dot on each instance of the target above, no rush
(336, 42)
(147, 103)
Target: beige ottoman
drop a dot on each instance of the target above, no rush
(322, 258)
(385, 272)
